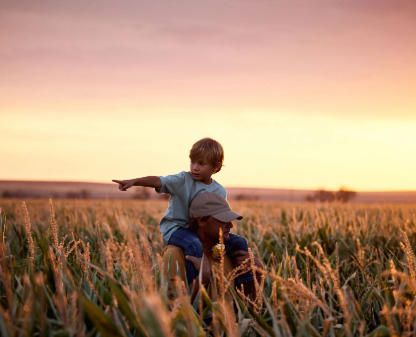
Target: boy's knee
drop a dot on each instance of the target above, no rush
(195, 240)
(239, 243)
(196, 246)
(243, 243)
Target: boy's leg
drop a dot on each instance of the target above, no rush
(190, 243)
(235, 243)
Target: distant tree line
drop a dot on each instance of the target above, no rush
(82, 194)
(245, 197)
(143, 193)
(140, 193)
(19, 194)
(342, 195)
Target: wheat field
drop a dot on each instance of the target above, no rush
(93, 268)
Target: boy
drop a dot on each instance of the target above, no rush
(207, 156)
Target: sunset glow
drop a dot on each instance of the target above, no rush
(301, 94)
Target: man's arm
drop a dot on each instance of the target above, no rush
(204, 268)
(249, 287)
(150, 181)
(178, 264)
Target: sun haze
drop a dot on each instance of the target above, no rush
(301, 94)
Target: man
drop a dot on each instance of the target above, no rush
(209, 212)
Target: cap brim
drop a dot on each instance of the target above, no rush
(227, 216)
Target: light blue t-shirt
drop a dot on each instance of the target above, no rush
(182, 189)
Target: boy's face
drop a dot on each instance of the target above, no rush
(202, 170)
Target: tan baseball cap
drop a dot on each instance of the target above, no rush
(212, 204)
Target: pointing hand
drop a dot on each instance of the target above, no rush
(124, 184)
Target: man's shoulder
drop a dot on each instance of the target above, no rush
(171, 248)
(174, 260)
(174, 251)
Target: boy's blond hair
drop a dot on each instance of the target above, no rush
(210, 150)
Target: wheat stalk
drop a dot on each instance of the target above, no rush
(28, 228)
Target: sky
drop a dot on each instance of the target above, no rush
(301, 94)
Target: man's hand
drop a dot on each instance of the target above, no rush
(218, 257)
(124, 184)
(206, 267)
(241, 256)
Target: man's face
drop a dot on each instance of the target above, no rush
(213, 229)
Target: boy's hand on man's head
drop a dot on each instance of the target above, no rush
(124, 184)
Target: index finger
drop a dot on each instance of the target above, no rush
(117, 181)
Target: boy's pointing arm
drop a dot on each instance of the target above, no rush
(151, 181)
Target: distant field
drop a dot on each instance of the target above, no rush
(94, 268)
(56, 190)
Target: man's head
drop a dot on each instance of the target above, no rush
(207, 157)
(208, 213)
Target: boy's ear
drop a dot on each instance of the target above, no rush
(217, 167)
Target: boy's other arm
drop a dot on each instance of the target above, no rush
(150, 181)
(205, 272)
